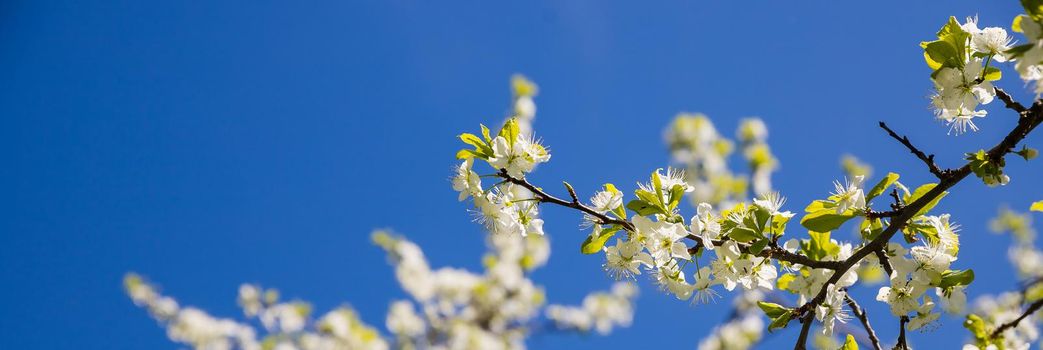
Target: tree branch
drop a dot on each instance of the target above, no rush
(774, 252)
(884, 261)
(901, 333)
(575, 204)
(1010, 103)
(805, 328)
(927, 159)
(1031, 119)
(1028, 312)
(864, 317)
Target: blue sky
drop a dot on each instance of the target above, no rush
(206, 144)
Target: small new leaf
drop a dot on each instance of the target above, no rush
(954, 278)
(881, 186)
(643, 208)
(596, 240)
(849, 343)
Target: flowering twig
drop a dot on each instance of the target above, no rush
(927, 159)
(574, 204)
(862, 316)
(1028, 312)
(1029, 122)
(774, 252)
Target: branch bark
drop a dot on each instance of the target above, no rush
(864, 317)
(1028, 312)
(1029, 120)
(927, 159)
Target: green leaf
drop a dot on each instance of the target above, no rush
(619, 211)
(468, 153)
(658, 184)
(881, 186)
(1034, 8)
(849, 343)
(778, 224)
(954, 278)
(954, 34)
(676, 193)
(920, 192)
(976, 325)
(744, 234)
(781, 321)
(480, 146)
(510, 131)
(643, 208)
(820, 246)
(819, 204)
(648, 197)
(940, 54)
(1018, 51)
(759, 245)
(485, 134)
(1037, 206)
(993, 74)
(825, 220)
(924, 228)
(596, 240)
(772, 310)
(784, 281)
(871, 228)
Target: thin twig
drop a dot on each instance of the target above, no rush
(898, 204)
(1031, 119)
(1010, 103)
(547, 198)
(927, 159)
(774, 252)
(805, 329)
(864, 317)
(884, 261)
(1028, 312)
(901, 333)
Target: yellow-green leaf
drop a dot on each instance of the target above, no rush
(881, 186)
(849, 343)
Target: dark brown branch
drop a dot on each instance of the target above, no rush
(1010, 103)
(805, 329)
(898, 204)
(881, 214)
(543, 197)
(774, 252)
(884, 261)
(572, 192)
(1028, 312)
(1029, 121)
(927, 159)
(901, 334)
(864, 317)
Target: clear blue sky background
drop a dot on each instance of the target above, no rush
(205, 144)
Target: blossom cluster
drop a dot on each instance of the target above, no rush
(451, 308)
(992, 311)
(962, 76)
(736, 244)
(599, 311)
(285, 323)
(703, 153)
